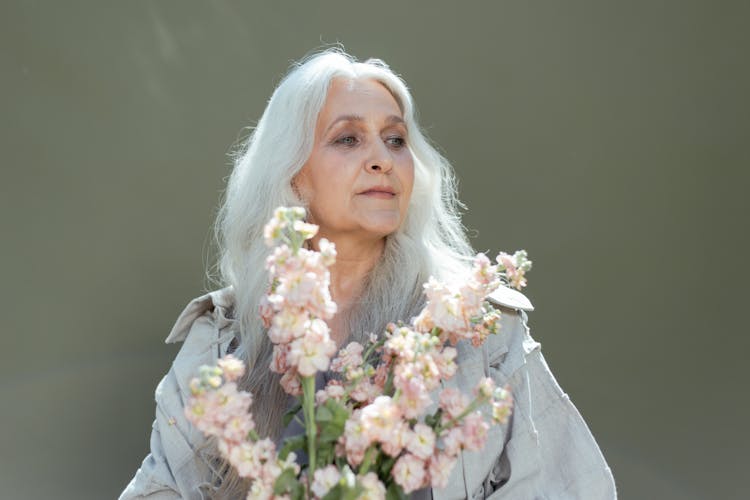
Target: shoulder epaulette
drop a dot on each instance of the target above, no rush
(508, 297)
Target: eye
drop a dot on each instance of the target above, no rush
(396, 141)
(347, 140)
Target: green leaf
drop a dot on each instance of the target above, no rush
(386, 465)
(285, 482)
(298, 492)
(339, 411)
(433, 420)
(334, 416)
(388, 389)
(289, 415)
(291, 444)
(325, 453)
(343, 491)
(323, 414)
(352, 493)
(329, 433)
(333, 494)
(394, 492)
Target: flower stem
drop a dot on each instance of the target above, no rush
(367, 461)
(371, 348)
(478, 401)
(308, 405)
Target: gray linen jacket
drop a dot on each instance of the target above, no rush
(546, 451)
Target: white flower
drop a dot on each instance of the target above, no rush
(324, 479)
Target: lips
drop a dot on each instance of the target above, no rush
(379, 191)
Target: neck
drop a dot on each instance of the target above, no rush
(355, 258)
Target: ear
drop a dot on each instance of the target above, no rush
(300, 186)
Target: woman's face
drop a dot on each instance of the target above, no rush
(359, 177)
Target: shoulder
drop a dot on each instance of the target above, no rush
(215, 307)
(206, 328)
(509, 349)
(178, 462)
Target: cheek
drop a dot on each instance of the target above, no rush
(408, 178)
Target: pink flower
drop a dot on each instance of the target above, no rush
(349, 357)
(440, 468)
(306, 230)
(474, 431)
(273, 230)
(232, 367)
(409, 472)
(423, 322)
(333, 390)
(313, 351)
(515, 266)
(395, 440)
(415, 396)
(324, 479)
(502, 405)
(260, 491)
(484, 272)
(421, 442)
(237, 428)
(288, 324)
(485, 388)
(446, 307)
(452, 402)
(290, 382)
(266, 311)
(374, 489)
(247, 458)
(279, 363)
(355, 439)
(327, 252)
(381, 375)
(210, 411)
(365, 391)
(426, 367)
(445, 362)
(452, 441)
(381, 421)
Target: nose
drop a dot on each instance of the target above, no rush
(379, 160)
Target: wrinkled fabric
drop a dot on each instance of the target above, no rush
(546, 451)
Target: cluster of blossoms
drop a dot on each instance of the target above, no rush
(217, 408)
(414, 360)
(515, 267)
(462, 312)
(373, 418)
(299, 301)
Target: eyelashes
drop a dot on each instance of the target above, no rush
(396, 141)
(350, 141)
(347, 140)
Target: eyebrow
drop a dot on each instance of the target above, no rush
(391, 120)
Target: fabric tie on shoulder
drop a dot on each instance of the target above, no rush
(219, 302)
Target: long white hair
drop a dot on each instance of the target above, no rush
(431, 240)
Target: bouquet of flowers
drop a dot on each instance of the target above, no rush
(369, 432)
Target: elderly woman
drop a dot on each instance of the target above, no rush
(340, 138)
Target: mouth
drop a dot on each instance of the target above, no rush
(379, 192)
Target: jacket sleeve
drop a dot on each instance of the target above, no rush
(177, 466)
(549, 451)
(171, 470)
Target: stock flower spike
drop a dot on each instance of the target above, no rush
(367, 432)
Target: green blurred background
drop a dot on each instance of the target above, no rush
(609, 139)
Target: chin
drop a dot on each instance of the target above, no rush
(383, 226)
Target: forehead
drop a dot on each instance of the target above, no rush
(364, 97)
